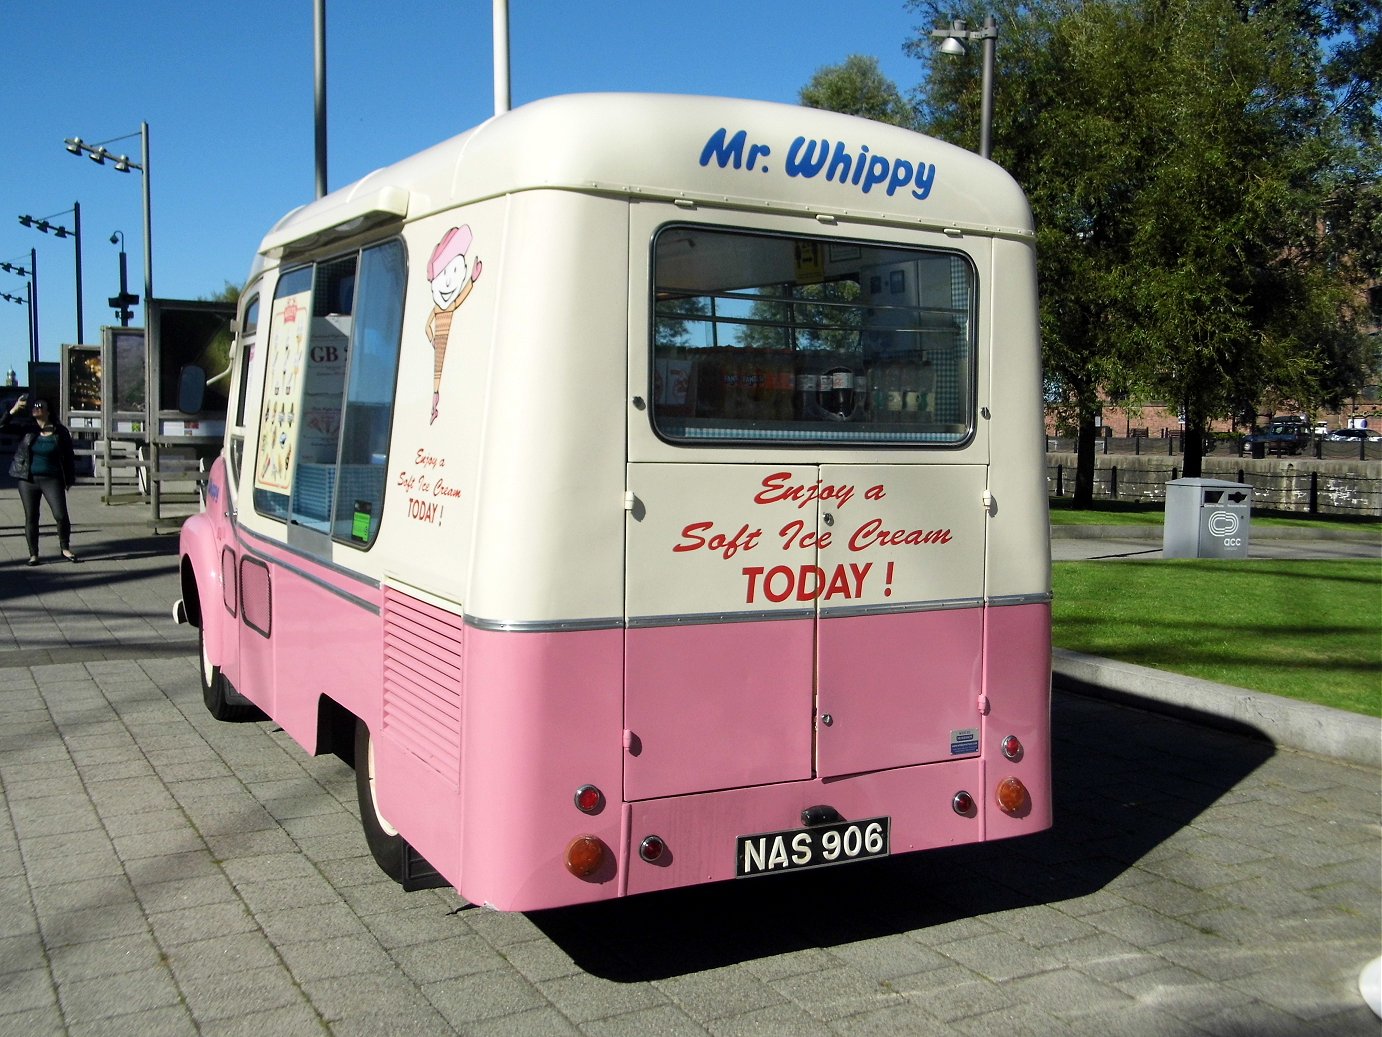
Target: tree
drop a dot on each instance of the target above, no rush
(1189, 164)
(230, 292)
(858, 87)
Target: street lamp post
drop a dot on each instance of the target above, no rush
(98, 153)
(45, 225)
(955, 39)
(26, 301)
(31, 290)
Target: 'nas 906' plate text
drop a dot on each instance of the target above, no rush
(817, 847)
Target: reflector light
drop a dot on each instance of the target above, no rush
(1012, 748)
(589, 799)
(963, 804)
(584, 856)
(652, 848)
(1012, 795)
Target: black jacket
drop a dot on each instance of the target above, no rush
(24, 455)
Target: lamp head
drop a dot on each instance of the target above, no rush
(98, 155)
(74, 145)
(115, 237)
(954, 47)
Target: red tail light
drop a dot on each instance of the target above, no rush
(589, 799)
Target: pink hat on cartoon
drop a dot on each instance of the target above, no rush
(455, 243)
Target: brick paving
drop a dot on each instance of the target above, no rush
(162, 873)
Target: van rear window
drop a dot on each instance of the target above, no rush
(801, 339)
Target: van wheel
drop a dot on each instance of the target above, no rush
(385, 844)
(216, 690)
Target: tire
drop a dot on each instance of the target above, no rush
(216, 691)
(385, 844)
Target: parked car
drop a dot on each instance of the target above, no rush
(1282, 436)
(1353, 435)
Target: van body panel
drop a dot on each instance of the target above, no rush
(713, 706)
(748, 155)
(520, 776)
(701, 831)
(550, 478)
(1017, 684)
(898, 689)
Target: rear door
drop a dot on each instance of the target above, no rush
(720, 648)
(901, 617)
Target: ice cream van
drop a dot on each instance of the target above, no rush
(642, 491)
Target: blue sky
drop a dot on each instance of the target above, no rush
(227, 91)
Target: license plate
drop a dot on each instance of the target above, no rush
(817, 847)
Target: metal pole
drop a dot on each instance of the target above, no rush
(986, 113)
(501, 57)
(33, 305)
(151, 429)
(29, 301)
(319, 31)
(148, 222)
(77, 235)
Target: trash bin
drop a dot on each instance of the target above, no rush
(1206, 518)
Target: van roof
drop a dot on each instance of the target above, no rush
(700, 150)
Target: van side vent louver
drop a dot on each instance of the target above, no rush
(422, 681)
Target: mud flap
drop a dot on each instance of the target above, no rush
(418, 873)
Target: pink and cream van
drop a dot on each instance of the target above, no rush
(643, 491)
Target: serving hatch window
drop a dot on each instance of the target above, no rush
(760, 337)
(322, 449)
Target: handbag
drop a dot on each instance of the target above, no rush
(19, 467)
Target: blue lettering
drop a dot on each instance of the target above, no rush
(839, 162)
(902, 174)
(878, 172)
(809, 158)
(716, 148)
(807, 165)
(926, 176)
(859, 165)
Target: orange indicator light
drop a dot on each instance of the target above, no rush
(1012, 795)
(584, 856)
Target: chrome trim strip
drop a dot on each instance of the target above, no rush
(945, 605)
(708, 618)
(998, 600)
(243, 535)
(543, 626)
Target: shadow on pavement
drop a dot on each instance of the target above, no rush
(1124, 782)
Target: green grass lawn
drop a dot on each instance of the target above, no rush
(1309, 630)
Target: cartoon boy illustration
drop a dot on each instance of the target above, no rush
(447, 272)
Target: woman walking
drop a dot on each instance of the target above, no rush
(45, 467)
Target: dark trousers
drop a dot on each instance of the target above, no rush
(50, 488)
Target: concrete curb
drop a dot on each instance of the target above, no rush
(1284, 722)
